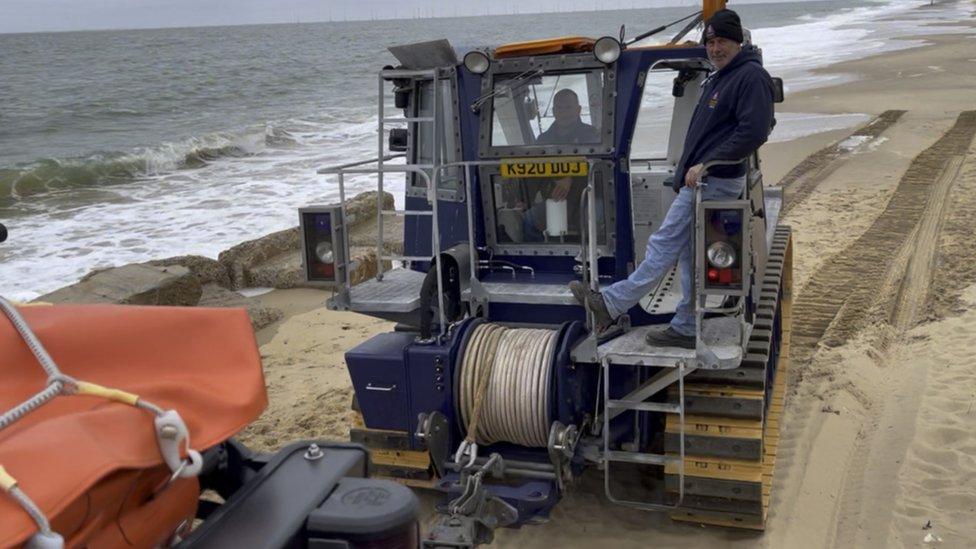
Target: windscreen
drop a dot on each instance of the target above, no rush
(546, 210)
(547, 109)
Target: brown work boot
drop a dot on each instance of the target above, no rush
(669, 338)
(593, 301)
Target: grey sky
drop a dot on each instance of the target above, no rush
(60, 15)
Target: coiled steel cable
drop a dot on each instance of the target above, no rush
(504, 385)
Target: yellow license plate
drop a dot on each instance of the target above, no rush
(545, 167)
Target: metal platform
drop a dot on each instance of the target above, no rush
(398, 292)
(522, 292)
(723, 336)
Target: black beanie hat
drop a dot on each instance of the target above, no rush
(723, 24)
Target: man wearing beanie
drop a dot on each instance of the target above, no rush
(732, 120)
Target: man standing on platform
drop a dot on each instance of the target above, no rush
(732, 120)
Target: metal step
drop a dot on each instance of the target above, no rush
(642, 458)
(657, 383)
(404, 213)
(664, 407)
(522, 292)
(721, 335)
(398, 292)
(407, 120)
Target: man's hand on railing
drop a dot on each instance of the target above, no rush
(693, 175)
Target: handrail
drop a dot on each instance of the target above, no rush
(431, 194)
(432, 183)
(332, 170)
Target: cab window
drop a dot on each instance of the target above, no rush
(449, 178)
(653, 129)
(551, 109)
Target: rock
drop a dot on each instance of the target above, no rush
(273, 260)
(217, 296)
(133, 284)
(241, 258)
(282, 271)
(207, 270)
(362, 208)
(285, 271)
(365, 263)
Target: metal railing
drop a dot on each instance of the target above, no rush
(417, 169)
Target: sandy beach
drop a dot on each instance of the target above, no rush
(879, 435)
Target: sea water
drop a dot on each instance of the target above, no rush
(125, 146)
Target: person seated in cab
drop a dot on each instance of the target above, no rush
(732, 120)
(567, 128)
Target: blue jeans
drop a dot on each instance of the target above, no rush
(673, 242)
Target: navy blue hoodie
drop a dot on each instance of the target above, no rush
(733, 117)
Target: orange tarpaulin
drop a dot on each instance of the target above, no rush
(76, 450)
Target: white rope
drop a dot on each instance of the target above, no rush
(515, 401)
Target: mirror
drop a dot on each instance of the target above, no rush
(398, 140)
(778, 94)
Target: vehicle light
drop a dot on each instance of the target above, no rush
(477, 62)
(712, 274)
(323, 250)
(721, 255)
(727, 222)
(607, 49)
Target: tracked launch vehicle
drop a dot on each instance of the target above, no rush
(494, 388)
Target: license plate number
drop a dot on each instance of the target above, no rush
(540, 167)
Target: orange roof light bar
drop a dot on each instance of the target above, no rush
(547, 46)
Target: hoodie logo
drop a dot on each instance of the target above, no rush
(713, 101)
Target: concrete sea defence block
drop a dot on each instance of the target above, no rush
(133, 284)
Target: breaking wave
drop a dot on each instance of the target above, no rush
(55, 174)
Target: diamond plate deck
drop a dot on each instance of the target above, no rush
(398, 292)
(722, 335)
(522, 292)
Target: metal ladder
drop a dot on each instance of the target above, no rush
(420, 170)
(636, 401)
(426, 169)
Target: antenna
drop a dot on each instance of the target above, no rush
(652, 32)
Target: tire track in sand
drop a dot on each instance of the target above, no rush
(847, 288)
(800, 182)
(868, 496)
(841, 296)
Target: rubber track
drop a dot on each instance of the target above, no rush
(840, 294)
(804, 177)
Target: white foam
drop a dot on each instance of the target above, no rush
(854, 142)
(794, 125)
